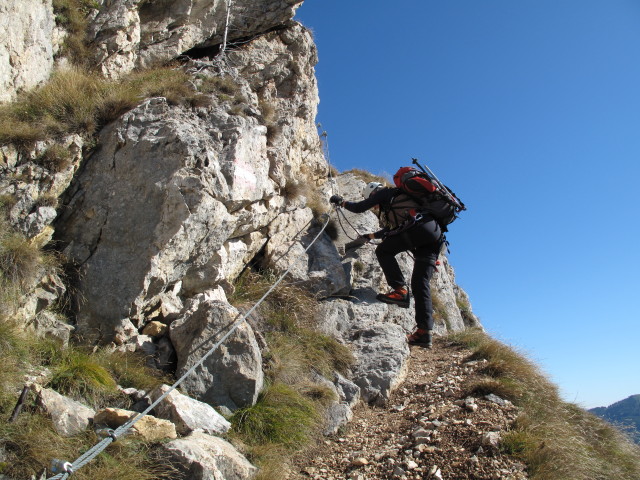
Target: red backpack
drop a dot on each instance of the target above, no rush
(421, 192)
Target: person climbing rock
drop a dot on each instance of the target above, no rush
(405, 228)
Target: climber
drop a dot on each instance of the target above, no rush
(421, 235)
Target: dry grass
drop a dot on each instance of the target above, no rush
(72, 16)
(317, 202)
(31, 443)
(77, 101)
(22, 264)
(440, 312)
(557, 440)
(368, 177)
(20, 260)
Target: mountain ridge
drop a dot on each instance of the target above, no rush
(625, 414)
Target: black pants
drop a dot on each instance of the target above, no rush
(423, 240)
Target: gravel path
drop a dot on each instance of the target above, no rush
(430, 429)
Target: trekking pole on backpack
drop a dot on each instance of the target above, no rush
(441, 186)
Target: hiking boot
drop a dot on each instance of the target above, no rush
(398, 296)
(421, 338)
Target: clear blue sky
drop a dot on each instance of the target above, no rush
(530, 111)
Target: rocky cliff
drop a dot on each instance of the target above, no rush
(159, 213)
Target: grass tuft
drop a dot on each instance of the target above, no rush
(79, 375)
(72, 15)
(20, 260)
(281, 416)
(22, 263)
(368, 177)
(30, 443)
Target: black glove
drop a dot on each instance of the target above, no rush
(365, 237)
(336, 199)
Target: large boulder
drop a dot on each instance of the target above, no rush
(232, 375)
(182, 199)
(146, 209)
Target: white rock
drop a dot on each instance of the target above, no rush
(187, 413)
(68, 416)
(27, 45)
(206, 457)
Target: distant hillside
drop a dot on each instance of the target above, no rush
(625, 413)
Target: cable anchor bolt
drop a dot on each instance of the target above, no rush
(61, 466)
(106, 432)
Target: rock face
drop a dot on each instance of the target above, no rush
(183, 197)
(27, 45)
(134, 33)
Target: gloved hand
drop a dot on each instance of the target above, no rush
(336, 199)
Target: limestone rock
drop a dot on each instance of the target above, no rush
(203, 457)
(232, 376)
(348, 391)
(132, 33)
(188, 414)
(68, 416)
(150, 428)
(319, 270)
(491, 440)
(381, 360)
(27, 45)
(139, 213)
(49, 325)
(155, 329)
(46, 290)
(337, 415)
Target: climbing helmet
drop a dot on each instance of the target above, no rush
(369, 188)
